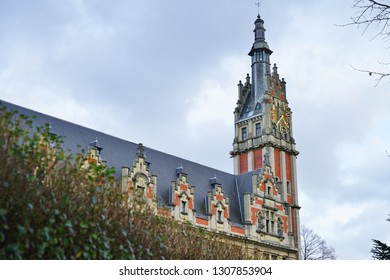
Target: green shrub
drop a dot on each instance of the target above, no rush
(53, 208)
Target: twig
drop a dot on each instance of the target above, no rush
(370, 72)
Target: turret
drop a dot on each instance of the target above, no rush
(260, 54)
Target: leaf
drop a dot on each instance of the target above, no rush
(3, 212)
(21, 229)
(84, 225)
(78, 255)
(2, 237)
(66, 242)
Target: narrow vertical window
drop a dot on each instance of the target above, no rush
(184, 207)
(259, 222)
(244, 133)
(258, 129)
(219, 216)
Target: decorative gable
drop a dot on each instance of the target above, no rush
(93, 155)
(277, 87)
(264, 210)
(218, 206)
(182, 197)
(137, 179)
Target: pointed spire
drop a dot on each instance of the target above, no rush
(260, 43)
(260, 54)
(275, 72)
(247, 80)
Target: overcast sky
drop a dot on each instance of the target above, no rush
(165, 73)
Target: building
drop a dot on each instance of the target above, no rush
(256, 208)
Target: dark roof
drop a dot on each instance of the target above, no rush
(118, 153)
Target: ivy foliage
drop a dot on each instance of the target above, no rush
(54, 207)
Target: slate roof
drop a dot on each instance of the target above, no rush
(118, 153)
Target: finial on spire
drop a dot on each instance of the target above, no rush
(141, 150)
(258, 7)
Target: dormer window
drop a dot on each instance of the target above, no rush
(269, 190)
(183, 207)
(219, 217)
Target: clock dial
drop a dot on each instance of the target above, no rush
(274, 115)
(281, 117)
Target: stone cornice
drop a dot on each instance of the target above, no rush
(247, 120)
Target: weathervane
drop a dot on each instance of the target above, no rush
(258, 6)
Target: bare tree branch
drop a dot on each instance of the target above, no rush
(370, 72)
(373, 14)
(313, 247)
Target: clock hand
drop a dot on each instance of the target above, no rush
(280, 120)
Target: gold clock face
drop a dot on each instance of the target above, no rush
(281, 117)
(274, 114)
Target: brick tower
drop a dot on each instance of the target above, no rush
(263, 127)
